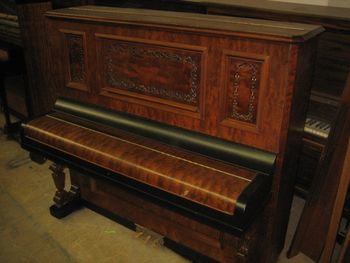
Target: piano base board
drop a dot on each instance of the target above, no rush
(170, 244)
(196, 238)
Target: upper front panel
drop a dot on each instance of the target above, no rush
(235, 87)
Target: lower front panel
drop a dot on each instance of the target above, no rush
(194, 235)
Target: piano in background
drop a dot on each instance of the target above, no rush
(13, 72)
(9, 28)
(332, 65)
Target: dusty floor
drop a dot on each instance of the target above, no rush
(29, 234)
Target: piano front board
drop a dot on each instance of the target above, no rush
(231, 78)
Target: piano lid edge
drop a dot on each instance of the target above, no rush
(236, 26)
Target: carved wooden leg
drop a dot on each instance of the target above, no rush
(65, 202)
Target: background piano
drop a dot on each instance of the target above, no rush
(12, 69)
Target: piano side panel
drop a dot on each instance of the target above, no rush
(291, 136)
(192, 74)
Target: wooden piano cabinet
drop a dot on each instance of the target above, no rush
(231, 89)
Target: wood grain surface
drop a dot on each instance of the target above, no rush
(193, 177)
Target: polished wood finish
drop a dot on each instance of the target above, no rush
(331, 180)
(242, 80)
(204, 70)
(190, 174)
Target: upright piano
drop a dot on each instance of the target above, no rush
(186, 124)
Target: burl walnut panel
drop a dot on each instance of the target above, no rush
(151, 71)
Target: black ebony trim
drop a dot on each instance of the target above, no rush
(120, 220)
(254, 196)
(66, 209)
(186, 252)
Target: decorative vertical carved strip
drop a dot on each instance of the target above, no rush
(243, 89)
(76, 56)
(250, 114)
(76, 64)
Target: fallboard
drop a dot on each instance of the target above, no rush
(222, 182)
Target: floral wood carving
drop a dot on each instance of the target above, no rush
(153, 70)
(243, 89)
(76, 56)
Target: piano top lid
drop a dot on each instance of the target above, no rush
(255, 28)
(317, 11)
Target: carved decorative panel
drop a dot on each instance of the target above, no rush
(76, 75)
(243, 79)
(151, 70)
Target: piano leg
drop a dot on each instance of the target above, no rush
(65, 202)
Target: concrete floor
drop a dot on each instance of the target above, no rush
(29, 234)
